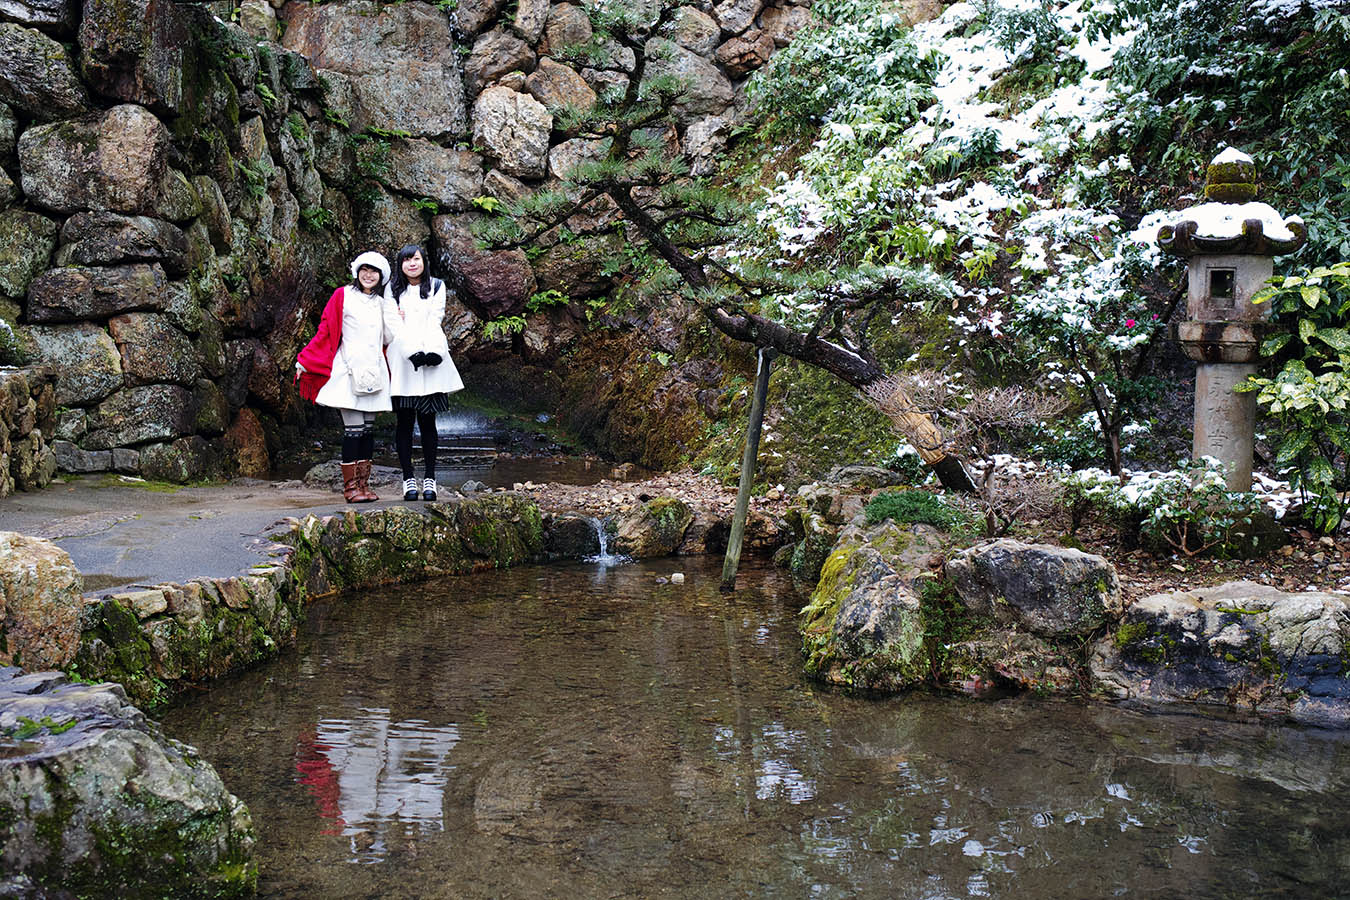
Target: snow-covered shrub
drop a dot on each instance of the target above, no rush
(1187, 510)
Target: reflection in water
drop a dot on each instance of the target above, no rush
(583, 732)
(368, 774)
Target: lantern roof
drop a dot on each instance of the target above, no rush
(1232, 221)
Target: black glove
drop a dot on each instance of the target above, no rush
(418, 359)
(431, 359)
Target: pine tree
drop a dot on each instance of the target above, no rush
(638, 184)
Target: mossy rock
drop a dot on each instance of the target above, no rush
(654, 528)
(501, 529)
(864, 626)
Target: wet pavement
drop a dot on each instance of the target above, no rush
(124, 532)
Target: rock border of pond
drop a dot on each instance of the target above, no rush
(898, 607)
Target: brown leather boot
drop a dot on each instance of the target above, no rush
(363, 473)
(351, 483)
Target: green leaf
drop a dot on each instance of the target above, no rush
(1312, 295)
(1275, 343)
(1336, 338)
(1306, 329)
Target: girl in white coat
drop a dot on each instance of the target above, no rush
(422, 373)
(344, 366)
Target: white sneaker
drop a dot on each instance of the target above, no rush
(428, 488)
(410, 489)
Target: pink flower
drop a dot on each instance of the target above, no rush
(1129, 323)
(1155, 317)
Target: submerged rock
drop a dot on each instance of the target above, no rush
(97, 802)
(1240, 644)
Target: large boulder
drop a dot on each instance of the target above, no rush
(495, 54)
(558, 86)
(85, 359)
(572, 536)
(59, 16)
(391, 221)
(1240, 644)
(864, 625)
(783, 22)
(744, 53)
(654, 528)
(186, 459)
(117, 160)
(31, 462)
(99, 803)
(70, 458)
(704, 141)
(38, 76)
(513, 128)
(1047, 590)
(491, 282)
(576, 268)
(530, 18)
(152, 412)
(695, 30)
(106, 238)
(153, 351)
(74, 293)
(401, 61)
(26, 243)
(567, 26)
(706, 90)
(246, 445)
(142, 51)
(453, 178)
(39, 603)
(472, 16)
(736, 16)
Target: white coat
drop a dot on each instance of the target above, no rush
(368, 323)
(419, 329)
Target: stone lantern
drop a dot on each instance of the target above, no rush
(1229, 244)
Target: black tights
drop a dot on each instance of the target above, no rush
(403, 432)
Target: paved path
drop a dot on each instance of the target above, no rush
(122, 533)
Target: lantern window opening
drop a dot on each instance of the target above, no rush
(1222, 283)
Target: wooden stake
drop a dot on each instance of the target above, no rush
(733, 559)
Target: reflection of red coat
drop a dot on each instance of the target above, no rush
(317, 773)
(317, 357)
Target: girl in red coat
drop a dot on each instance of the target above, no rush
(344, 366)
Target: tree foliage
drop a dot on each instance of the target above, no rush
(633, 180)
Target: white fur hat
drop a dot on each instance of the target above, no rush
(372, 259)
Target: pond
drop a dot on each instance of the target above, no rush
(582, 731)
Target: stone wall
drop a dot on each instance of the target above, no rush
(179, 191)
(27, 424)
(156, 641)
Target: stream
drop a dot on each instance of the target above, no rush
(585, 731)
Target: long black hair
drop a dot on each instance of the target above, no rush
(399, 282)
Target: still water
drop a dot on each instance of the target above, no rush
(576, 731)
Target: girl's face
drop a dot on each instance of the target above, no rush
(413, 266)
(368, 277)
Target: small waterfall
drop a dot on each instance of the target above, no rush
(604, 557)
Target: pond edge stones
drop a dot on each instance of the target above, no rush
(97, 801)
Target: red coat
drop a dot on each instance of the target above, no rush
(317, 357)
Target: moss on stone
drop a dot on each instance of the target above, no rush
(1129, 634)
